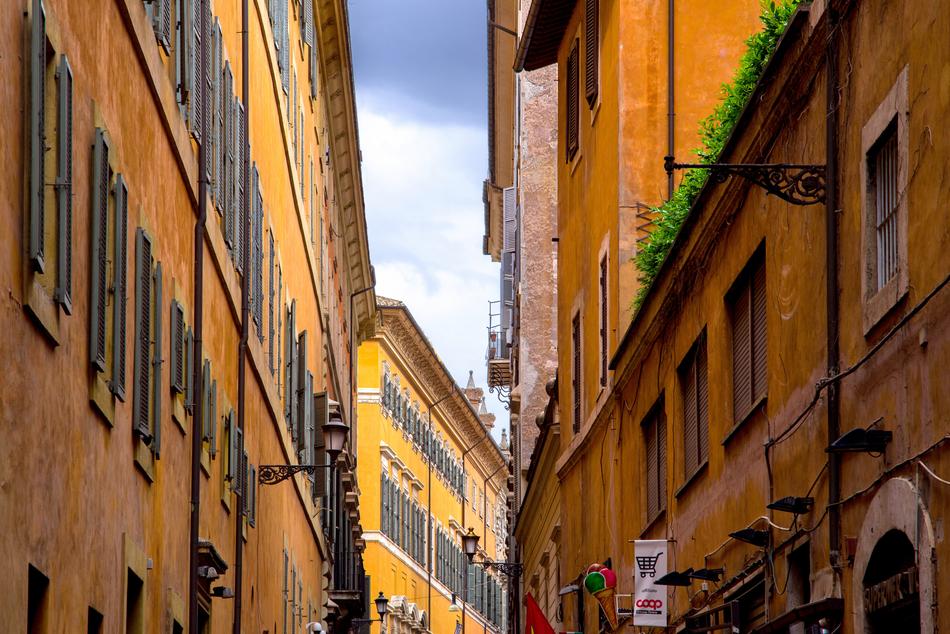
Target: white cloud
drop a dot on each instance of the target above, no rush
(422, 185)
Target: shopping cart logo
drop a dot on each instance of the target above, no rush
(647, 565)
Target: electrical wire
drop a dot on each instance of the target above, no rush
(932, 474)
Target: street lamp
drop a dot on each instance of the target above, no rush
(382, 608)
(335, 432)
(470, 546)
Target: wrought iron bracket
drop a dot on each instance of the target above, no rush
(507, 568)
(274, 473)
(796, 183)
(504, 394)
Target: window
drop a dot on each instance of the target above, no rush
(147, 394)
(591, 50)
(884, 183)
(695, 393)
(36, 601)
(94, 622)
(49, 225)
(654, 440)
(576, 372)
(747, 301)
(572, 108)
(603, 322)
(134, 603)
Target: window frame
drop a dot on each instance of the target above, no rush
(894, 108)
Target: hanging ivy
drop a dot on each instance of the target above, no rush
(714, 132)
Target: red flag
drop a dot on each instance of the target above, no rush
(535, 623)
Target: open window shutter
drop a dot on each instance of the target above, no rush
(143, 335)
(245, 476)
(314, 60)
(121, 283)
(177, 365)
(259, 274)
(210, 71)
(162, 23)
(289, 339)
(99, 257)
(572, 110)
(213, 419)
(206, 400)
(383, 522)
(240, 195)
(592, 49)
(321, 416)
(238, 463)
(252, 487)
(37, 136)
(232, 449)
(305, 437)
(227, 154)
(190, 372)
(742, 353)
(759, 350)
(270, 306)
(197, 55)
(301, 403)
(64, 187)
(293, 383)
(157, 362)
(214, 75)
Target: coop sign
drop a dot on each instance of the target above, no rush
(649, 600)
(892, 590)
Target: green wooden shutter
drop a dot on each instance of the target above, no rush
(98, 257)
(177, 349)
(143, 336)
(120, 282)
(232, 449)
(301, 383)
(190, 372)
(37, 137)
(206, 400)
(237, 460)
(215, 114)
(270, 307)
(226, 186)
(64, 187)
(240, 192)
(213, 419)
(157, 363)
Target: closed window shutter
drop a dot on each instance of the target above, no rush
(313, 71)
(237, 481)
(240, 199)
(143, 336)
(603, 320)
(259, 256)
(157, 363)
(690, 416)
(572, 110)
(64, 186)
(653, 504)
(37, 244)
(289, 339)
(213, 419)
(576, 372)
(305, 436)
(190, 372)
(300, 401)
(741, 353)
(121, 283)
(252, 496)
(661, 459)
(177, 331)
(759, 348)
(233, 450)
(245, 476)
(99, 241)
(270, 305)
(702, 398)
(591, 49)
(308, 22)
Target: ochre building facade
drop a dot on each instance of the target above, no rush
(429, 470)
(136, 424)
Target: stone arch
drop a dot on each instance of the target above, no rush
(896, 506)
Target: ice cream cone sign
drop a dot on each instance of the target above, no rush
(601, 582)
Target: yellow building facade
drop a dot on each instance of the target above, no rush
(134, 148)
(428, 470)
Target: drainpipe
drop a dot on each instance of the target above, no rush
(198, 354)
(245, 310)
(670, 95)
(831, 291)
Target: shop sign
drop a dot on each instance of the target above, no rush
(649, 599)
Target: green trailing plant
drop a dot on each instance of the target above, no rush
(714, 132)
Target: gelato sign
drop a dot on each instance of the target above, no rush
(649, 599)
(601, 582)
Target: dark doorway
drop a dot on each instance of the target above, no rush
(891, 599)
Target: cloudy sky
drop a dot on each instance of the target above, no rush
(420, 72)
